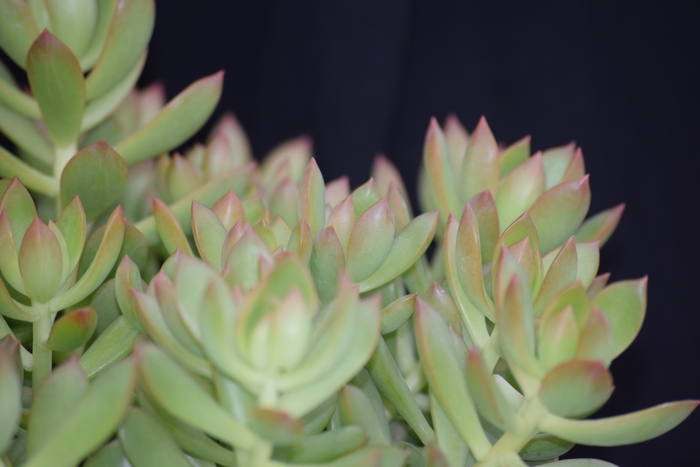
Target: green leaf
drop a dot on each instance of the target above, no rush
(23, 132)
(487, 397)
(179, 394)
(514, 155)
(111, 455)
(169, 229)
(72, 330)
(519, 230)
(73, 22)
(556, 162)
(98, 175)
(561, 273)
(93, 420)
(312, 198)
(10, 395)
(11, 166)
(446, 377)
(326, 263)
(100, 267)
(597, 341)
(208, 194)
(364, 196)
(209, 234)
(40, 262)
(356, 409)
(147, 443)
(558, 338)
(175, 123)
(468, 261)
(544, 447)
(386, 374)
(276, 426)
(21, 212)
(105, 12)
(519, 190)
(17, 100)
(128, 276)
(105, 304)
(558, 213)
(486, 215)
(480, 168)
(439, 299)
(397, 313)
(328, 445)
(17, 30)
(129, 33)
(406, 249)
(10, 308)
(440, 173)
(72, 225)
(576, 388)
(97, 111)
(55, 401)
(601, 226)
(624, 304)
(58, 86)
(631, 428)
(113, 344)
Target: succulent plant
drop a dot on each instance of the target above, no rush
(203, 309)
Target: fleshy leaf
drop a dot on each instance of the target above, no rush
(98, 175)
(486, 215)
(58, 86)
(514, 155)
(209, 234)
(406, 249)
(325, 264)
(176, 122)
(72, 224)
(576, 388)
(440, 173)
(55, 400)
(328, 445)
(631, 428)
(365, 196)
(597, 341)
(480, 168)
(356, 409)
(10, 394)
(19, 206)
(519, 190)
(146, 442)
(624, 304)
(112, 345)
(556, 161)
(601, 226)
(397, 312)
(40, 262)
(171, 386)
(385, 173)
(72, 330)
(17, 30)
(371, 239)
(169, 229)
(445, 374)
(558, 213)
(129, 33)
(487, 397)
(73, 22)
(561, 273)
(343, 218)
(312, 198)
(558, 338)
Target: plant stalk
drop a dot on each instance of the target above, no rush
(41, 356)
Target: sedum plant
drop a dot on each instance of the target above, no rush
(200, 308)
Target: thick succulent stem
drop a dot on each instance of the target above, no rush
(41, 356)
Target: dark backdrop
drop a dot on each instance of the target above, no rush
(363, 76)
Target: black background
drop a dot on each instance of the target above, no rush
(364, 76)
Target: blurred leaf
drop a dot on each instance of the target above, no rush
(17, 30)
(169, 229)
(58, 85)
(576, 388)
(111, 455)
(342, 218)
(113, 344)
(93, 420)
(175, 122)
(446, 377)
(209, 234)
(326, 262)
(100, 267)
(631, 428)
(312, 198)
(178, 393)
(54, 402)
(364, 196)
(10, 308)
(514, 155)
(558, 213)
(624, 304)
(328, 445)
(73, 22)
(72, 330)
(440, 173)
(105, 12)
(601, 226)
(480, 168)
(407, 248)
(397, 312)
(276, 426)
(544, 447)
(24, 133)
(128, 35)
(10, 395)
(556, 162)
(21, 212)
(487, 397)
(105, 304)
(584, 463)
(98, 175)
(147, 443)
(518, 190)
(40, 262)
(356, 409)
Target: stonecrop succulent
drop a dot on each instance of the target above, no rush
(200, 308)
